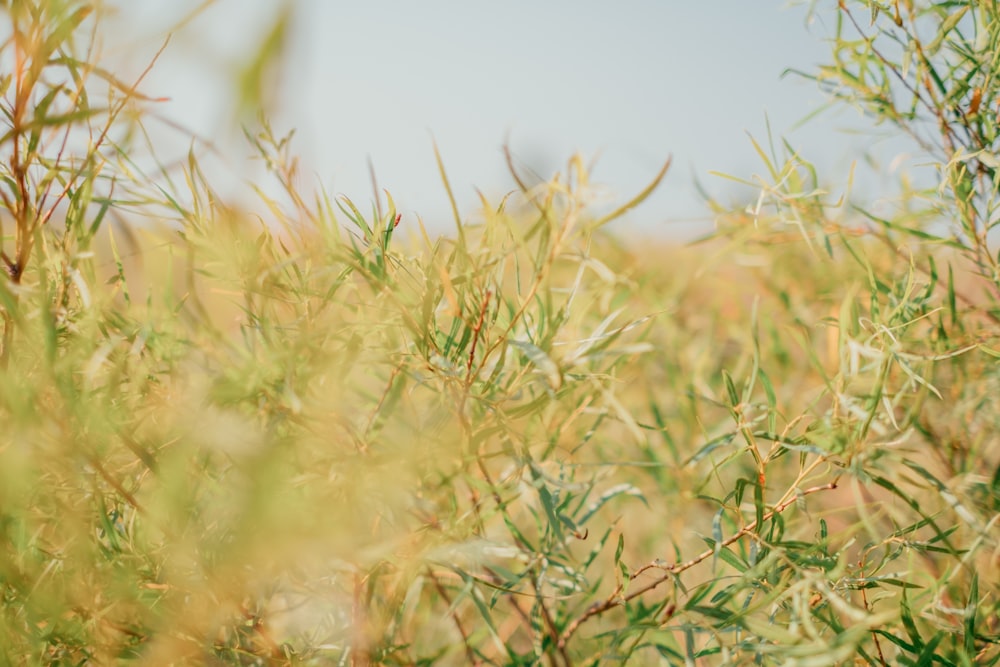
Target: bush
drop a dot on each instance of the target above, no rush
(307, 441)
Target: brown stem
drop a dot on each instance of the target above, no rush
(470, 654)
(549, 624)
(359, 648)
(671, 571)
(476, 331)
(115, 484)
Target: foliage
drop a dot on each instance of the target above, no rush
(311, 440)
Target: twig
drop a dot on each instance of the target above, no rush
(899, 75)
(671, 571)
(864, 598)
(114, 483)
(547, 617)
(476, 330)
(469, 653)
(359, 650)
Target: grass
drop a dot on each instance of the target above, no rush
(329, 438)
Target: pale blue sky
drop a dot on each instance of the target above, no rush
(629, 82)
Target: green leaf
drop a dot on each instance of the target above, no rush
(638, 199)
(541, 361)
(255, 91)
(734, 397)
(906, 616)
(614, 492)
(355, 216)
(391, 219)
(68, 118)
(969, 623)
(732, 559)
(451, 198)
(928, 656)
(758, 504)
(949, 24)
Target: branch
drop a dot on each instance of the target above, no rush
(671, 571)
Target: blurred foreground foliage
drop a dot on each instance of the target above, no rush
(307, 441)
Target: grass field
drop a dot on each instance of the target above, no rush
(327, 437)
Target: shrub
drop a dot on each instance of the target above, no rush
(309, 440)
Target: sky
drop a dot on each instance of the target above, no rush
(626, 84)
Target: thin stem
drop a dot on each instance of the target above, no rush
(671, 571)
